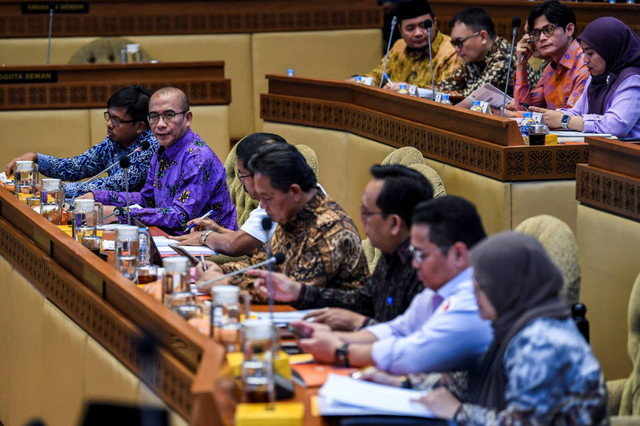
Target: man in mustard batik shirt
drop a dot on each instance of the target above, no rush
(409, 57)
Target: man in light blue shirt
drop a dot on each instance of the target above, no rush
(441, 329)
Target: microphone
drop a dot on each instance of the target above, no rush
(394, 21)
(118, 211)
(125, 162)
(428, 23)
(515, 23)
(145, 145)
(278, 258)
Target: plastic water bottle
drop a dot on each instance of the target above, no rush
(445, 99)
(404, 90)
(291, 72)
(527, 119)
(476, 106)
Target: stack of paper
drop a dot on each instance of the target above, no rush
(344, 396)
(166, 251)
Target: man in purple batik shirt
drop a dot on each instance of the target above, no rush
(186, 179)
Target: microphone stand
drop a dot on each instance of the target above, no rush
(125, 175)
(51, 7)
(428, 23)
(394, 21)
(515, 23)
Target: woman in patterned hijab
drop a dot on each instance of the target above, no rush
(539, 369)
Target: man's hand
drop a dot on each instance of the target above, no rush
(395, 86)
(203, 224)
(29, 156)
(322, 346)
(372, 374)
(106, 211)
(310, 328)
(443, 404)
(192, 239)
(87, 196)
(213, 271)
(524, 51)
(284, 288)
(337, 318)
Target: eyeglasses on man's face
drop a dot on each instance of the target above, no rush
(116, 121)
(167, 116)
(419, 256)
(547, 30)
(459, 42)
(242, 177)
(366, 213)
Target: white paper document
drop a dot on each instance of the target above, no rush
(163, 247)
(487, 93)
(341, 393)
(283, 318)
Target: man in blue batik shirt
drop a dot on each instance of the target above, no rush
(127, 134)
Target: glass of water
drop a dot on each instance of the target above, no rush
(127, 251)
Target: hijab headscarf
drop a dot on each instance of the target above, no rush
(620, 48)
(523, 284)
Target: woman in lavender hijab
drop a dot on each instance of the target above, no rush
(609, 103)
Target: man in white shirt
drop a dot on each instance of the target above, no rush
(441, 329)
(250, 236)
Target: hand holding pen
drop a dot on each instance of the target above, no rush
(193, 223)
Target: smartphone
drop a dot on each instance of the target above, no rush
(524, 105)
(362, 372)
(300, 334)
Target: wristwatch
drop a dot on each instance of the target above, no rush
(565, 121)
(205, 234)
(342, 355)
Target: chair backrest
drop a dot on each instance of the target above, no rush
(630, 400)
(559, 241)
(412, 158)
(103, 51)
(241, 200)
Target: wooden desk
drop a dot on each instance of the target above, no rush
(608, 189)
(488, 149)
(180, 365)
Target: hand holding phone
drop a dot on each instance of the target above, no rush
(298, 332)
(524, 105)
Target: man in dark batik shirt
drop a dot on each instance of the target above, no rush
(385, 211)
(319, 240)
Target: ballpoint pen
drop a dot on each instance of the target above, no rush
(204, 216)
(384, 74)
(204, 264)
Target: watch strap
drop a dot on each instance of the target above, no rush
(342, 356)
(204, 235)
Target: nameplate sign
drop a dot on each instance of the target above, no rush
(38, 7)
(26, 77)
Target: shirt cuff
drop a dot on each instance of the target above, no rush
(382, 353)
(381, 331)
(589, 121)
(44, 162)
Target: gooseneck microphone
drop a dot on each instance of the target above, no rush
(515, 23)
(125, 162)
(394, 21)
(145, 145)
(276, 258)
(428, 23)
